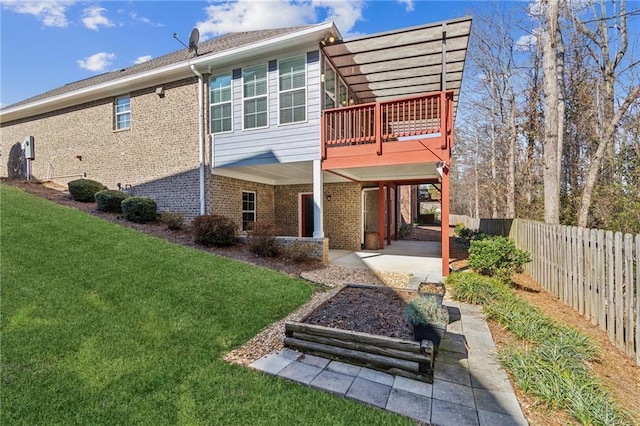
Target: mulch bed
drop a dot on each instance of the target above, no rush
(366, 310)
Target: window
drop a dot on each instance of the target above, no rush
(255, 96)
(220, 100)
(292, 84)
(123, 112)
(329, 87)
(248, 209)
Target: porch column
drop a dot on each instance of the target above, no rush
(318, 197)
(444, 220)
(381, 213)
(388, 217)
(398, 217)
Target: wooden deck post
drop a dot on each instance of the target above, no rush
(444, 219)
(381, 213)
(388, 216)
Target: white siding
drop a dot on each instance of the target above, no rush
(277, 143)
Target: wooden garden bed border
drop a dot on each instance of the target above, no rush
(401, 357)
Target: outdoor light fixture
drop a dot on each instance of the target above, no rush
(160, 92)
(329, 39)
(328, 197)
(440, 167)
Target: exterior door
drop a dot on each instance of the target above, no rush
(307, 215)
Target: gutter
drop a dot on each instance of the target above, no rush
(200, 135)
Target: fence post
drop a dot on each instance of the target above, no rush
(628, 292)
(611, 322)
(618, 291)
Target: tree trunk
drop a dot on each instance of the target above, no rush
(511, 176)
(551, 128)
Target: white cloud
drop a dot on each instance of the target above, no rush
(344, 14)
(526, 42)
(98, 62)
(141, 59)
(93, 17)
(135, 17)
(51, 12)
(248, 15)
(408, 4)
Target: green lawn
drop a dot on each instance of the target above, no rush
(102, 324)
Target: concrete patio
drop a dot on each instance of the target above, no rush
(420, 258)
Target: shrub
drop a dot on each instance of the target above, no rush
(139, 209)
(262, 239)
(109, 200)
(299, 251)
(497, 256)
(214, 230)
(84, 189)
(425, 310)
(173, 220)
(405, 229)
(466, 235)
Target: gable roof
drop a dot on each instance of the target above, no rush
(180, 58)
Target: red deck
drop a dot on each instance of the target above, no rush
(405, 131)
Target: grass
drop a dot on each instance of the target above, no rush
(550, 360)
(102, 324)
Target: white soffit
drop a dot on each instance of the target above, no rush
(405, 62)
(397, 173)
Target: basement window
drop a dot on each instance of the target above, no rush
(248, 209)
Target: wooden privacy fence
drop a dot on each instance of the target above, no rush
(596, 272)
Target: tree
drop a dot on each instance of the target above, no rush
(601, 32)
(552, 75)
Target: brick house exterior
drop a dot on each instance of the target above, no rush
(240, 128)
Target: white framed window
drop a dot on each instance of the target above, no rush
(248, 209)
(122, 112)
(292, 85)
(220, 103)
(254, 90)
(329, 86)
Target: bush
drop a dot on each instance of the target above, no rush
(466, 235)
(84, 190)
(139, 209)
(173, 220)
(262, 239)
(405, 229)
(109, 200)
(299, 251)
(497, 257)
(214, 230)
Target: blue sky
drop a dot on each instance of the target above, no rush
(46, 44)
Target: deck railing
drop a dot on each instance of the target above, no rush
(389, 121)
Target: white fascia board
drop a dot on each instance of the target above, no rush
(165, 74)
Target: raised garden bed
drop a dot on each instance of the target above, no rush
(363, 325)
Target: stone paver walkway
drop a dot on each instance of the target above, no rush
(470, 387)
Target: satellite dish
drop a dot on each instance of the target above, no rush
(193, 40)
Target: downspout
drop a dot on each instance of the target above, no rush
(200, 135)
